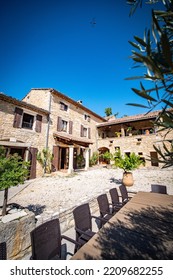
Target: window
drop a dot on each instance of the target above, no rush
(84, 132)
(27, 121)
(86, 117)
(64, 126)
(63, 106)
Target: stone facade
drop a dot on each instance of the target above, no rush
(22, 139)
(73, 117)
(71, 130)
(140, 138)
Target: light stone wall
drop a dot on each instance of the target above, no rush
(41, 98)
(131, 144)
(16, 234)
(7, 131)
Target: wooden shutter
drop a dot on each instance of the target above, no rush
(33, 162)
(59, 124)
(89, 132)
(81, 131)
(55, 161)
(70, 127)
(17, 117)
(38, 123)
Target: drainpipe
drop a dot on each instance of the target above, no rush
(48, 127)
(48, 121)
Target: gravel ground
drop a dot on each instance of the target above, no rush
(57, 193)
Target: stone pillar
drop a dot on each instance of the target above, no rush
(87, 159)
(70, 166)
(122, 131)
(26, 155)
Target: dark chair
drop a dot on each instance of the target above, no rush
(46, 241)
(106, 212)
(83, 223)
(115, 199)
(125, 195)
(158, 189)
(3, 251)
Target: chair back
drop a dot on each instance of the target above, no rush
(158, 189)
(103, 204)
(3, 251)
(46, 241)
(82, 217)
(123, 192)
(114, 196)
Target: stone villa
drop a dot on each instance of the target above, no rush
(46, 118)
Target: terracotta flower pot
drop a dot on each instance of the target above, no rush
(128, 179)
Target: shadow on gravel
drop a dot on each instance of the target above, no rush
(116, 181)
(37, 209)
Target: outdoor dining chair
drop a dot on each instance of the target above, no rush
(106, 212)
(115, 199)
(158, 189)
(125, 195)
(46, 241)
(3, 251)
(83, 223)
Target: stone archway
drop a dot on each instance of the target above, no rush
(101, 151)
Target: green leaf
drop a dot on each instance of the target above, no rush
(134, 45)
(137, 105)
(140, 41)
(143, 94)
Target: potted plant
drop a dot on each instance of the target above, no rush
(127, 163)
(117, 134)
(129, 130)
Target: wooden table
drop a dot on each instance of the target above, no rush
(142, 229)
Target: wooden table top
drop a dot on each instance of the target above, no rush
(142, 229)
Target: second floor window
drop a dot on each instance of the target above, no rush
(63, 106)
(64, 126)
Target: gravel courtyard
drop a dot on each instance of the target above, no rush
(57, 193)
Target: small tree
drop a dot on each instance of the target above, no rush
(108, 111)
(13, 171)
(45, 158)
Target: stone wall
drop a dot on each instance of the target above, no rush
(16, 234)
(21, 135)
(139, 144)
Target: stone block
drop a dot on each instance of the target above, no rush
(16, 234)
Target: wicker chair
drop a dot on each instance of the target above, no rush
(106, 212)
(115, 199)
(83, 223)
(3, 251)
(125, 195)
(46, 241)
(158, 189)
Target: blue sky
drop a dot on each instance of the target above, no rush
(53, 44)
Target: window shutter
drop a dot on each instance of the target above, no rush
(17, 117)
(81, 131)
(70, 127)
(33, 159)
(89, 132)
(59, 124)
(55, 161)
(38, 123)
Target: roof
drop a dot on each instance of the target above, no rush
(23, 104)
(70, 100)
(139, 117)
(71, 139)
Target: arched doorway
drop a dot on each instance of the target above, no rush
(101, 151)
